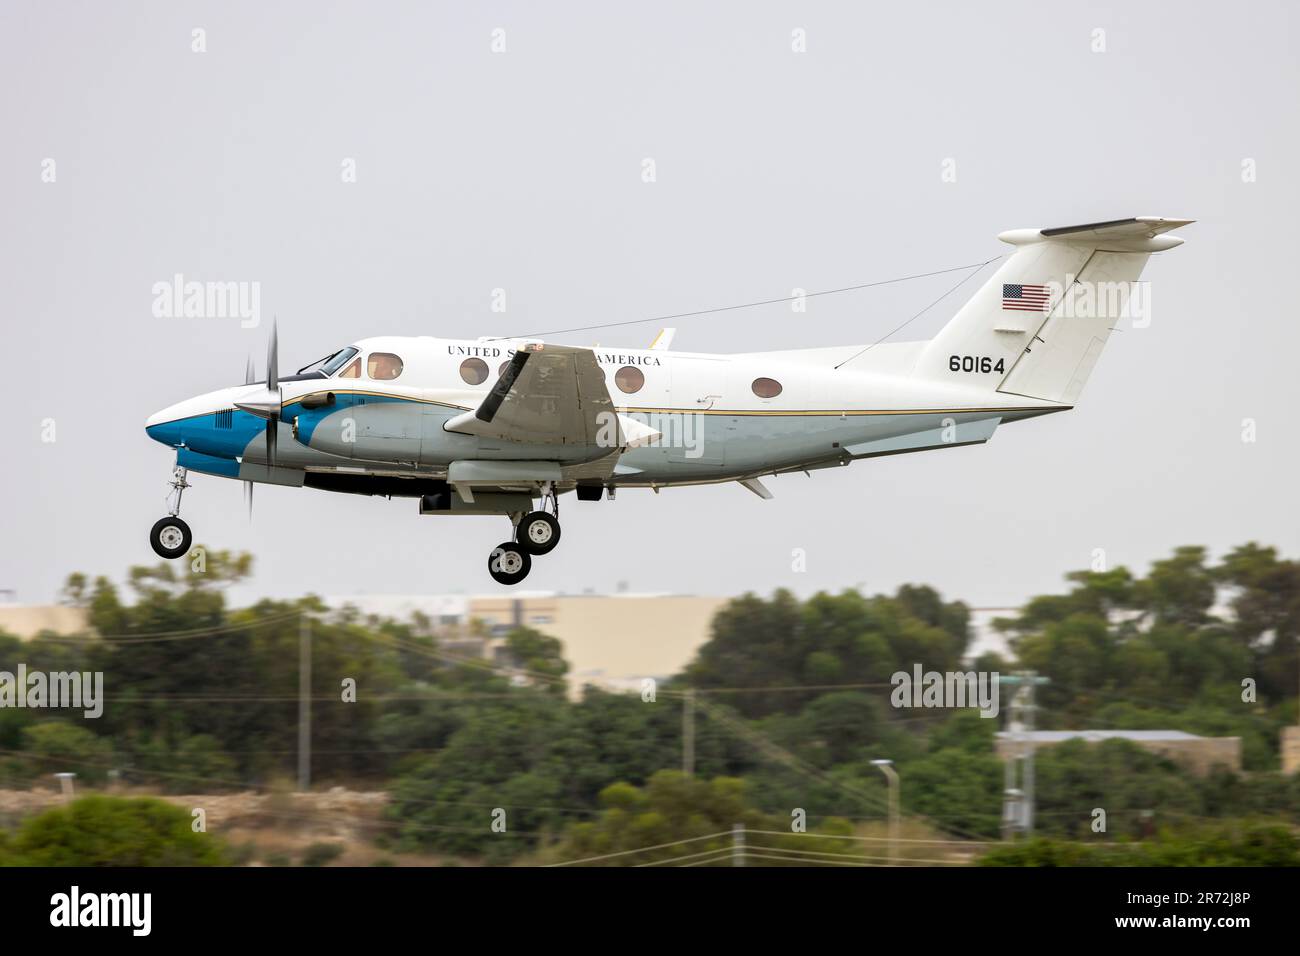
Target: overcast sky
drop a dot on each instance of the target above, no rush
(522, 170)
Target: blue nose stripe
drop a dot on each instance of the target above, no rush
(168, 433)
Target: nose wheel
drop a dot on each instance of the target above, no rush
(170, 536)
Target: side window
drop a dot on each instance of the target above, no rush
(766, 387)
(629, 379)
(352, 371)
(474, 371)
(383, 366)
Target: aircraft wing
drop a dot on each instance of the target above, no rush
(550, 395)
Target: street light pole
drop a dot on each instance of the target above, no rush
(688, 732)
(304, 702)
(887, 768)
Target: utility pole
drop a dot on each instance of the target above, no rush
(737, 844)
(887, 768)
(304, 702)
(1018, 801)
(65, 784)
(688, 732)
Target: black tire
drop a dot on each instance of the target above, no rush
(538, 533)
(509, 563)
(171, 538)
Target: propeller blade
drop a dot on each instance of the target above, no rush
(272, 361)
(272, 429)
(248, 497)
(249, 375)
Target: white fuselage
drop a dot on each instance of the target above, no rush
(719, 416)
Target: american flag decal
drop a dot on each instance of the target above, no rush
(1026, 298)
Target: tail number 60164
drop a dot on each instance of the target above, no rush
(975, 363)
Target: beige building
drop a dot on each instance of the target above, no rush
(1198, 754)
(611, 640)
(1291, 749)
(25, 621)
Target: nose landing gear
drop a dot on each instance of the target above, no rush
(170, 536)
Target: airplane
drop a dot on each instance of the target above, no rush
(505, 426)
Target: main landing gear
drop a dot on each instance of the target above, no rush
(536, 533)
(170, 536)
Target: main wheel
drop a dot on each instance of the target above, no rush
(509, 563)
(539, 532)
(170, 537)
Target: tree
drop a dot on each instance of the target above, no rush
(829, 639)
(539, 656)
(112, 831)
(59, 747)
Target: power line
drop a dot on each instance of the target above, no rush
(975, 271)
(166, 636)
(743, 305)
(644, 849)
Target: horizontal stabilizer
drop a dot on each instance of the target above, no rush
(950, 435)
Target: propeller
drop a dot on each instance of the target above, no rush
(273, 388)
(268, 404)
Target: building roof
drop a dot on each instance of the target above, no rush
(1056, 736)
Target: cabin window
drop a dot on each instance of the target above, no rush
(766, 387)
(629, 379)
(474, 371)
(383, 366)
(352, 371)
(502, 370)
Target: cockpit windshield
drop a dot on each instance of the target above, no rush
(330, 364)
(338, 360)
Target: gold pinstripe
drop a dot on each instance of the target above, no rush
(771, 412)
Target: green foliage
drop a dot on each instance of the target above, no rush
(321, 854)
(539, 656)
(842, 639)
(672, 808)
(193, 764)
(1257, 844)
(67, 747)
(112, 831)
(792, 698)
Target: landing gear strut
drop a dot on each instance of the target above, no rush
(536, 533)
(170, 536)
(539, 532)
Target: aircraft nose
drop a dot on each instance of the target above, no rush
(164, 426)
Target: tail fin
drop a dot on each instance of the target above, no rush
(1037, 326)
